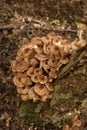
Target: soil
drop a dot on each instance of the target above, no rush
(20, 21)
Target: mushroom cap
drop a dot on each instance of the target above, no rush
(25, 49)
(38, 71)
(25, 97)
(42, 56)
(81, 43)
(35, 78)
(51, 36)
(13, 66)
(57, 40)
(73, 45)
(17, 80)
(53, 74)
(45, 66)
(39, 49)
(42, 79)
(46, 48)
(30, 71)
(67, 46)
(37, 42)
(50, 95)
(43, 98)
(45, 40)
(49, 87)
(54, 50)
(40, 89)
(33, 62)
(64, 60)
(26, 80)
(33, 95)
(52, 62)
(20, 65)
(23, 90)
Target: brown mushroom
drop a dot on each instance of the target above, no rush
(34, 62)
(23, 90)
(46, 48)
(17, 80)
(26, 80)
(49, 87)
(55, 50)
(33, 95)
(52, 62)
(20, 65)
(37, 42)
(50, 95)
(57, 40)
(67, 46)
(25, 97)
(53, 74)
(40, 89)
(64, 60)
(38, 71)
(42, 79)
(45, 40)
(42, 56)
(35, 78)
(30, 71)
(13, 66)
(79, 44)
(51, 36)
(26, 51)
(66, 127)
(45, 66)
(44, 98)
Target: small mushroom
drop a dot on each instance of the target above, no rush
(23, 90)
(45, 66)
(49, 87)
(80, 43)
(67, 46)
(52, 62)
(17, 80)
(51, 36)
(42, 79)
(43, 98)
(25, 50)
(66, 127)
(13, 66)
(38, 71)
(46, 48)
(53, 74)
(35, 78)
(37, 41)
(55, 50)
(26, 80)
(34, 62)
(40, 89)
(57, 40)
(64, 60)
(41, 57)
(33, 95)
(19, 65)
(45, 40)
(25, 97)
(30, 71)
(50, 95)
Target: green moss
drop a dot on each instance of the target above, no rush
(27, 109)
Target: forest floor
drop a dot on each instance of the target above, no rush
(20, 21)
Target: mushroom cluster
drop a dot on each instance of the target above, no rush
(38, 63)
